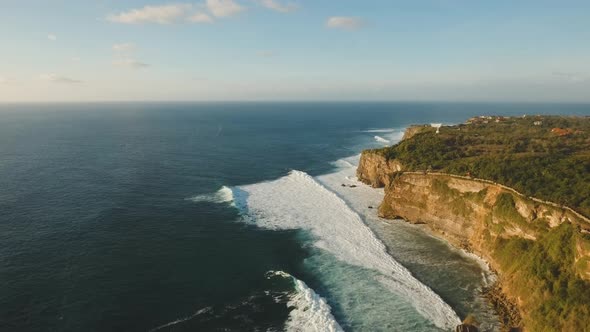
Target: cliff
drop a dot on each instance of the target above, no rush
(374, 169)
(540, 250)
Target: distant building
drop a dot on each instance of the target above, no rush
(538, 123)
(437, 126)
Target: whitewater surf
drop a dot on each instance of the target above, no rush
(298, 201)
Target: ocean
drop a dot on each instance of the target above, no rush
(221, 217)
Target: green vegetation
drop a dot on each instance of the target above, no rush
(545, 273)
(550, 160)
(544, 157)
(454, 197)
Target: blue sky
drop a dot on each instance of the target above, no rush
(295, 50)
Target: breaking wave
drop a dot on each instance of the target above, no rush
(384, 130)
(223, 195)
(382, 140)
(310, 311)
(298, 201)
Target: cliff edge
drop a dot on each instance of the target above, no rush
(540, 249)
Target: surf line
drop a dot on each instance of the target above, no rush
(298, 201)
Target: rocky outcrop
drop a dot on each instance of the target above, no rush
(474, 215)
(374, 169)
(413, 130)
(470, 213)
(466, 328)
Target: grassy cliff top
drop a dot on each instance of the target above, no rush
(547, 157)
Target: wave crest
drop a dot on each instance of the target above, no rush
(298, 201)
(223, 195)
(381, 140)
(310, 311)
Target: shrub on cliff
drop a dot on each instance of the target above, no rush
(515, 153)
(543, 272)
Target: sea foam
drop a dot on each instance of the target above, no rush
(298, 201)
(381, 140)
(223, 195)
(383, 130)
(310, 311)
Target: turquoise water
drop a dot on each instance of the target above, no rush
(112, 218)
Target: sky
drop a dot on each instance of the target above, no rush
(294, 50)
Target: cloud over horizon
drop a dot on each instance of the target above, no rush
(58, 79)
(345, 22)
(124, 56)
(164, 14)
(279, 7)
(130, 63)
(181, 12)
(124, 47)
(200, 17)
(224, 8)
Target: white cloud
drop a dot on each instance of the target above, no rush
(58, 79)
(124, 47)
(200, 17)
(279, 7)
(3, 80)
(164, 14)
(345, 22)
(123, 56)
(75, 59)
(224, 8)
(52, 37)
(131, 63)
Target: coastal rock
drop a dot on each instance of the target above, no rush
(539, 249)
(466, 328)
(474, 215)
(413, 130)
(374, 169)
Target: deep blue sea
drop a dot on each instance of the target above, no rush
(220, 217)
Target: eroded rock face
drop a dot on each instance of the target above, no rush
(468, 213)
(466, 328)
(471, 214)
(375, 169)
(413, 130)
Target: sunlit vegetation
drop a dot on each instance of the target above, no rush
(544, 273)
(536, 160)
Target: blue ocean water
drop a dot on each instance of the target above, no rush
(112, 218)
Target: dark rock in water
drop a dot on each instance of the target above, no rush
(352, 186)
(370, 206)
(343, 185)
(466, 328)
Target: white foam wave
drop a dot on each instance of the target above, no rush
(383, 130)
(396, 137)
(310, 311)
(223, 195)
(343, 163)
(297, 201)
(382, 140)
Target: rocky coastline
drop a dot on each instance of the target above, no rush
(472, 215)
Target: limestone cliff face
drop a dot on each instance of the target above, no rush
(472, 214)
(469, 213)
(413, 130)
(374, 169)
